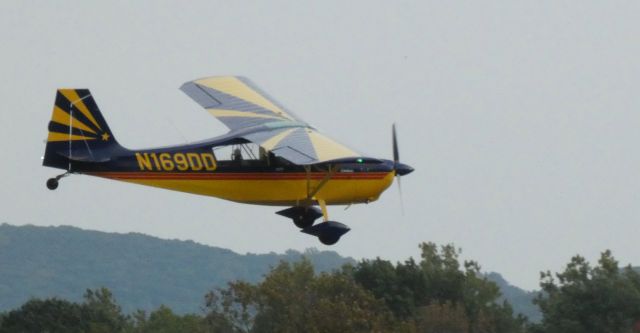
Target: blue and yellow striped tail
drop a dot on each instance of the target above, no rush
(77, 131)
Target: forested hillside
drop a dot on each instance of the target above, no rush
(143, 272)
(45, 270)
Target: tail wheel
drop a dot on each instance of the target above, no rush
(52, 184)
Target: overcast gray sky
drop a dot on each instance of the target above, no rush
(520, 117)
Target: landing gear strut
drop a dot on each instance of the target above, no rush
(52, 183)
(328, 232)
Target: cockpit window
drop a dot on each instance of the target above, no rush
(238, 152)
(245, 155)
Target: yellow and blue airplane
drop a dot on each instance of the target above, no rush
(269, 156)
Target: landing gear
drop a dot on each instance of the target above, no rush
(328, 232)
(303, 217)
(328, 239)
(303, 222)
(52, 183)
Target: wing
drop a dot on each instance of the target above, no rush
(301, 145)
(255, 116)
(236, 101)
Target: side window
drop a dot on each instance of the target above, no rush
(237, 152)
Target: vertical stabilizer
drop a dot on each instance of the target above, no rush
(77, 131)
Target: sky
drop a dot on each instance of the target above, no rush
(520, 118)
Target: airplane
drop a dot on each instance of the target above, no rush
(269, 157)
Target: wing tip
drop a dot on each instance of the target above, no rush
(195, 81)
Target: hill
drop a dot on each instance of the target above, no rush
(143, 272)
(521, 300)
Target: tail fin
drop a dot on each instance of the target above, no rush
(77, 131)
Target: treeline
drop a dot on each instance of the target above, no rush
(438, 293)
(141, 271)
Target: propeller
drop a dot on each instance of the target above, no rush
(396, 153)
(400, 169)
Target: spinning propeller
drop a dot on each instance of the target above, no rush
(400, 169)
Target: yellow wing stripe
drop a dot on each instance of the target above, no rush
(241, 114)
(64, 118)
(55, 136)
(234, 87)
(327, 149)
(73, 97)
(273, 141)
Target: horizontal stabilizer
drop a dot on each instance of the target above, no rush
(84, 157)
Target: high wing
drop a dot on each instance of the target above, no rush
(256, 117)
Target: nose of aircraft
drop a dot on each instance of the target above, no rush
(403, 169)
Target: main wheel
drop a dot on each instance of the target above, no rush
(328, 239)
(52, 184)
(303, 221)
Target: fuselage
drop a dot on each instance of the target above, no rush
(269, 156)
(236, 170)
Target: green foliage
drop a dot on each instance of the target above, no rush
(442, 317)
(401, 287)
(436, 294)
(51, 315)
(292, 298)
(596, 299)
(99, 313)
(163, 320)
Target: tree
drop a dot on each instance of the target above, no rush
(292, 298)
(101, 313)
(98, 313)
(437, 294)
(596, 299)
(402, 287)
(50, 315)
(163, 320)
(442, 317)
(232, 309)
